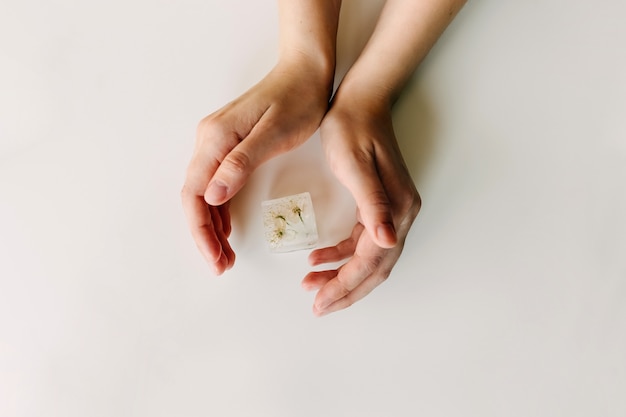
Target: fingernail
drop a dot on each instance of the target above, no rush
(386, 232)
(216, 192)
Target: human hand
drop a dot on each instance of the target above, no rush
(360, 146)
(276, 115)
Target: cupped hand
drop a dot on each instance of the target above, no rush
(361, 149)
(279, 113)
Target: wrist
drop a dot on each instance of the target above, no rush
(316, 69)
(362, 94)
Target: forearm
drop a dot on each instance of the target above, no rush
(308, 32)
(405, 32)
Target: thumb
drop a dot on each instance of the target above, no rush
(230, 176)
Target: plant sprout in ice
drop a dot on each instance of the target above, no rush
(290, 223)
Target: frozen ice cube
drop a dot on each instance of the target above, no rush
(289, 223)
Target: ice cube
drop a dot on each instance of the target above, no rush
(289, 223)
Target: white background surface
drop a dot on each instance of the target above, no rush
(509, 300)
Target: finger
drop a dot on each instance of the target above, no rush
(216, 138)
(222, 265)
(262, 143)
(224, 211)
(316, 280)
(365, 262)
(227, 258)
(336, 253)
(403, 195)
(229, 177)
(363, 181)
(227, 251)
(368, 268)
(213, 142)
(363, 289)
(200, 222)
(203, 164)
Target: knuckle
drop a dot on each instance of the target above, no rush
(363, 157)
(407, 201)
(413, 203)
(343, 287)
(208, 126)
(379, 200)
(237, 162)
(211, 128)
(417, 204)
(410, 202)
(371, 263)
(384, 274)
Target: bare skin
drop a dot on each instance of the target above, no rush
(279, 113)
(357, 137)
